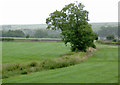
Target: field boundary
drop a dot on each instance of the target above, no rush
(14, 69)
(36, 40)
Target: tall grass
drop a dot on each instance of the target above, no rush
(13, 69)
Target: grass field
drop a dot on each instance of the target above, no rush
(0, 63)
(102, 67)
(33, 38)
(29, 51)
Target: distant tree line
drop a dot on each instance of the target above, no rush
(13, 33)
(105, 31)
(108, 33)
(40, 33)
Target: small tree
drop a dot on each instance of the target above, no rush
(27, 36)
(96, 36)
(72, 21)
(110, 37)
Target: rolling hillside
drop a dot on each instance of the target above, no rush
(95, 26)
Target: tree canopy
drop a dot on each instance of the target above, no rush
(72, 20)
(13, 33)
(110, 37)
(105, 31)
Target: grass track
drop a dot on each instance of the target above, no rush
(102, 67)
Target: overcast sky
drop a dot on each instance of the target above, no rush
(36, 11)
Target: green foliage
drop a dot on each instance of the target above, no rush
(108, 42)
(6, 39)
(13, 33)
(40, 34)
(96, 36)
(27, 36)
(72, 21)
(115, 40)
(110, 37)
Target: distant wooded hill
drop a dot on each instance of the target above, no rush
(95, 26)
(39, 30)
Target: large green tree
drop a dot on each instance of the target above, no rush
(72, 20)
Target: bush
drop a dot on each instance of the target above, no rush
(27, 36)
(11, 67)
(6, 39)
(24, 72)
(108, 42)
(33, 64)
(115, 40)
(110, 37)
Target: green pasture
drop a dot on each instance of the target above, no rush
(19, 52)
(0, 62)
(102, 67)
(99, 45)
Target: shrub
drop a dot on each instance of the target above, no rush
(110, 37)
(11, 67)
(6, 39)
(108, 42)
(24, 72)
(27, 36)
(33, 64)
(115, 40)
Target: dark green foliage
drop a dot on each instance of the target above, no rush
(115, 40)
(33, 64)
(108, 42)
(24, 72)
(13, 33)
(110, 37)
(6, 39)
(31, 33)
(27, 36)
(72, 21)
(96, 36)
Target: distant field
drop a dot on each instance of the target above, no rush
(34, 38)
(102, 67)
(29, 51)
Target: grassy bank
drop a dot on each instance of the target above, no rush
(102, 67)
(14, 69)
(27, 67)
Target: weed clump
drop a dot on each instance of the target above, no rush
(33, 64)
